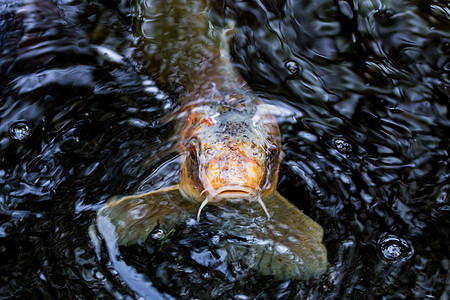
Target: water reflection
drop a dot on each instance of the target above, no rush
(365, 143)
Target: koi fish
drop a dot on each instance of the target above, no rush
(231, 146)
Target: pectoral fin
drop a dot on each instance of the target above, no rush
(302, 236)
(287, 246)
(132, 218)
(286, 212)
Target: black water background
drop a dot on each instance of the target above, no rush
(365, 91)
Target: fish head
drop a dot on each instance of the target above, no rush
(231, 155)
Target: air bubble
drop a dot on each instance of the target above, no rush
(157, 234)
(20, 131)
(292, 67)
(99, 275)
(342, 145)
(395, 248)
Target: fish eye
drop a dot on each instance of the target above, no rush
(192, 153)
(273, 154)
(192, 148)
(272, 150)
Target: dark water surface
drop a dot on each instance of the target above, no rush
(363, 90)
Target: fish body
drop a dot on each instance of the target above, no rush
(231, 147)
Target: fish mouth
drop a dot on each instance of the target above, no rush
(234, 192)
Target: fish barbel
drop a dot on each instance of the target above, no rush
(231, 145)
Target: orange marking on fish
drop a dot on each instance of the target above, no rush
(209, 121)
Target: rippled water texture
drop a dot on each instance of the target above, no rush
(363, 90)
